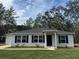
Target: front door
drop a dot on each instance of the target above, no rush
(49, 40)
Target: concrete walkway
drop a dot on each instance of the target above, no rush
(4, 46)
(28, 49)
(49, 48)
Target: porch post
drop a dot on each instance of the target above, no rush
(30, 39)
(55, 40)
(21, 39)
(38, 39)
(45, 40)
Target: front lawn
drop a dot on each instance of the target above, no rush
(62, 53)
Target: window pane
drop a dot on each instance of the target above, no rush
(17, 39)
(34, 39)
(41, 39)
(62, 39)
(24, 39)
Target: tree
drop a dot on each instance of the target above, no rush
(72, 11)
(72, 14)
(55, 18)
(2, 12)
(21, 27)
(10, 25)
(10, 17)
(37, 21)
(7, 20)
(29, 23)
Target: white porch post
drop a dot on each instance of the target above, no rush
(30, 39)
(45, 40)
(38, 39)
(21, 39)
(55, 40)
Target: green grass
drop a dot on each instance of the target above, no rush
(61, 53)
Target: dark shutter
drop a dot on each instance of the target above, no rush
(43, 38)
(66, 39)
(27, 38)
(32, 39)
(15, 39)
(59, 39)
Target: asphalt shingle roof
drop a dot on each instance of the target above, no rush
(40, 30)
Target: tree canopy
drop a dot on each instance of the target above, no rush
(7, 20)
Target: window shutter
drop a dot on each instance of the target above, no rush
(66, 39)
(43, 39)
(27, 38)
(59, 39)
(15, 39)
(32, 39)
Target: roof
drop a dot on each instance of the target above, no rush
(40, 30)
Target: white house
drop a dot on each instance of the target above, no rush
(41, 37)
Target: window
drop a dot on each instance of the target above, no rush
(17, 39)
(24, 39)
(34, 39)
(63, 39)
(41, 39)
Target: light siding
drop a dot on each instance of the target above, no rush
(69, 44)
(10, 40)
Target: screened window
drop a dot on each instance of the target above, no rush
(24, 39)
(63, 39)
(17, 39)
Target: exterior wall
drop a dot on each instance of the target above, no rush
(10, 39)
(69, 44)
(71, 41)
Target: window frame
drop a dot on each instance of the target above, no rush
(38, 39)
(17, 39)
(25, 39)
(42, 39)
(20, 40)
(65, 39)
(34, 38)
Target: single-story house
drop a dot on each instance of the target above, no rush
(41, 37)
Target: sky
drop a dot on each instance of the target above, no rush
(30, 8)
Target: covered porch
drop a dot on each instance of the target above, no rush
(50, 39)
